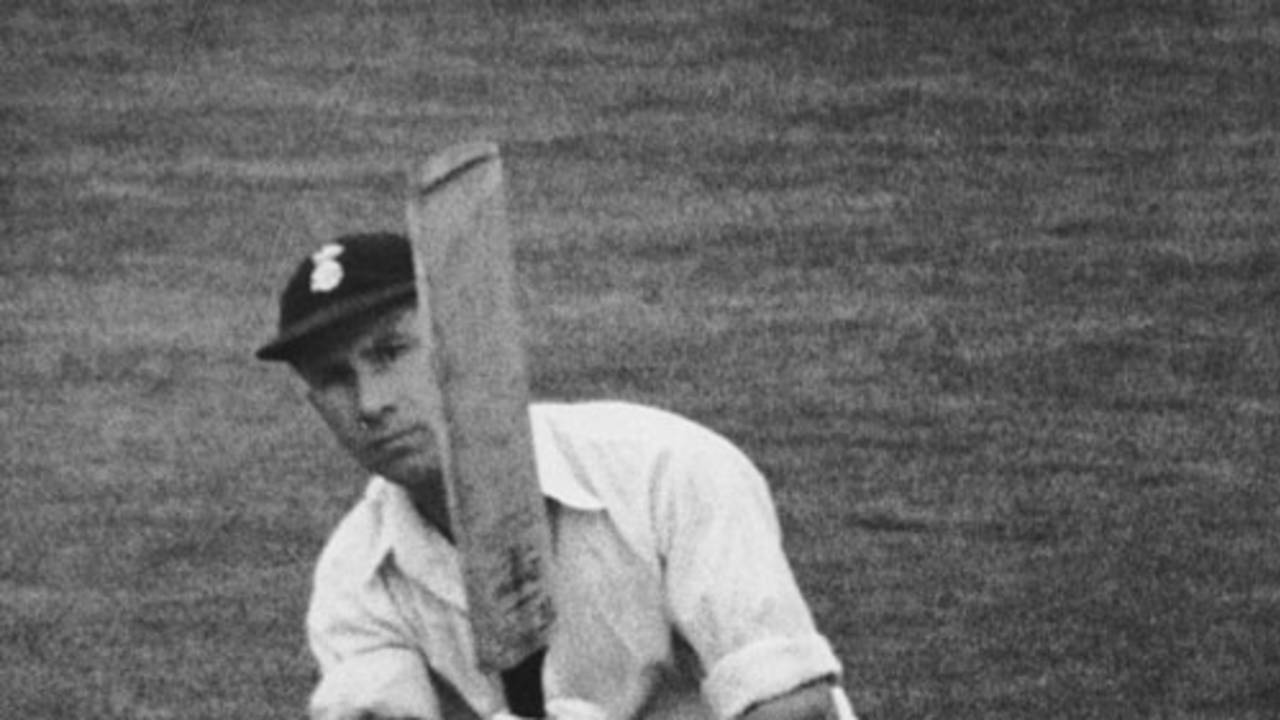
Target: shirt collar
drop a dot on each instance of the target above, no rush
(423, 554)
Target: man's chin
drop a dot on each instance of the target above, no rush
(415, 477)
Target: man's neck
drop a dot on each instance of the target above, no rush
(433, 510)
(437, 517)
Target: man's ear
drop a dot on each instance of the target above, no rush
(331, 418)
(312, 397)
(300, 382)
(304, 376)
(307, 390)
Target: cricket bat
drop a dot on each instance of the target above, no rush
(466, 282)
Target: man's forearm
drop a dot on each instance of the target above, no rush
(813, 701)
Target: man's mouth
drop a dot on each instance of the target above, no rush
(394, 443)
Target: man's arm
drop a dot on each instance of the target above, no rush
(813, 701)
(731, 590)
(366, 653)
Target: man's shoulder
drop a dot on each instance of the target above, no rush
(615, 432)
(618, 451)
(604, 420)
(353, 549)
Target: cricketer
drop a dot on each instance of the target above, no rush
(673, 595)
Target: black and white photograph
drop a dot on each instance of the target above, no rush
(640, 359)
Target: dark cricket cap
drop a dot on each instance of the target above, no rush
(353, 274)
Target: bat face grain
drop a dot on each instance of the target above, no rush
(466, 283)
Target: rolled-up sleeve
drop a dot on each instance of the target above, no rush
(388, 682)
(728, 581)
(366, 663)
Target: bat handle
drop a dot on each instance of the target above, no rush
(564, 709)
(573, 709)
(522, 686)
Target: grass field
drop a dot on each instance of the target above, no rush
(988, 288)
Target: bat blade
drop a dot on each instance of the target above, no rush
(466, 281)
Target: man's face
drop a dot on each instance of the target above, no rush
(372, 384)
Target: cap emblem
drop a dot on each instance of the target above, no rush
(327, 273)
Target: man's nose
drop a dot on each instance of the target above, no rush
(375, 397)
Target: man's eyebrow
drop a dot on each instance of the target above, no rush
(397, 333)
(326, 366)
(388, 335)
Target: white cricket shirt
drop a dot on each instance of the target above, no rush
(674, 598)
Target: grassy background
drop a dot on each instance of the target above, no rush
(988, 288)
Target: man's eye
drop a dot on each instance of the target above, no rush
(388, 352)
(330, 377)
